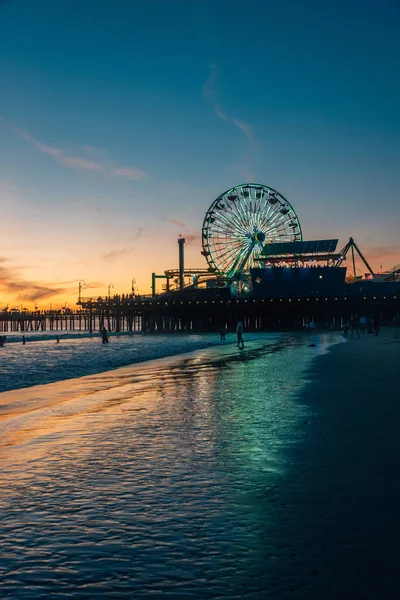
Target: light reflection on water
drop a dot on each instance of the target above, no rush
(44, 361)
(155, 485)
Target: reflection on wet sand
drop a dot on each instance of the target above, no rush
(148, 480)
(42, 411)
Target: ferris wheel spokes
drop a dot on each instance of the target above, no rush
(240, 221)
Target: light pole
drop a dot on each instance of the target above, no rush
(80, 286)
(110, 287)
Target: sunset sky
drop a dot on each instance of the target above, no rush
(121, 121)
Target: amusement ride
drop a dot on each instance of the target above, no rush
(240, 222)
(253, 225)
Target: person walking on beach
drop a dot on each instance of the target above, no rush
(377, 323)
(239, 333)
(104, 336)
(57, 340)
(23, 340)
(222, 332)
(2, 340)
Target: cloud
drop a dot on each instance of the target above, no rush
(93, 285)
(180, 224)
(382, 252)
(192, 238)
(11, 283)
(116, 254)
(34, 292)
(211, 97)
(138, 234)
(25, 290)
(128, 172)
(78, 162)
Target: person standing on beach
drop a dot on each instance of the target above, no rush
(104, 336)
(239, 333)
(222, 332)
(363, 324)
(354, 326)
(377, 323)
(23, 340)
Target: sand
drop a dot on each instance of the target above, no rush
(344, 485)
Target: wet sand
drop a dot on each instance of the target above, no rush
(28, 414)
(338, 535)
(216, 475)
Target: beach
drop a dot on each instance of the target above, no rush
(344, 488)
(271, 472)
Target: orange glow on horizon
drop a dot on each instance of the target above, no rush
(120, 274)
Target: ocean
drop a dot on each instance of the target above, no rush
(41, 360)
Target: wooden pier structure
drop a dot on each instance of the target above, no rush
(205, 310)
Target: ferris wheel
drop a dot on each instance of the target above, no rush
(240, 222)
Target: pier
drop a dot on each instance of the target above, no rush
(206, 310)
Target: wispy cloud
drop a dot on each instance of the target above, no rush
(114, 255)
(211, 97)
(95, 285)
(27, 290)
(88, 285)
(178, 223)
(190, 238)
(383, 252)
(24, 290)
(139, 233)
(79, 162)
(128, 172)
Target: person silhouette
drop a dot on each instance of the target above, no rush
(354, 326)
(239, 333)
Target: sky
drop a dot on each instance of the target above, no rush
(122, 121)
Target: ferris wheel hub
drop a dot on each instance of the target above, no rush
(260, 237)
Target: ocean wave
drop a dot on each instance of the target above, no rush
(41, 360)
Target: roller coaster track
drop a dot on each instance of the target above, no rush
(391, 273)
